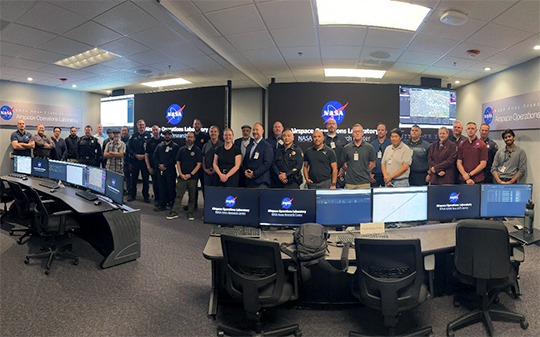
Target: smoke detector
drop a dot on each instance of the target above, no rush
(473, 52)
(454, 18)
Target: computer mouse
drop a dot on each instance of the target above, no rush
(53, 190)
(24, 178)
(97, 202)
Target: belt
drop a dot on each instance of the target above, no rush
(400, 179)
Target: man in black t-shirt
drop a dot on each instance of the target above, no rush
(320, 164)
(165, 158)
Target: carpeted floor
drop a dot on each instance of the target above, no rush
(166, 292)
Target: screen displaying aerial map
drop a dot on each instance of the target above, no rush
(424, 106)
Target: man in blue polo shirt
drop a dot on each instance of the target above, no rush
(379, 145)
(22, 141)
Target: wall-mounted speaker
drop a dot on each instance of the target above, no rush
(430, 82)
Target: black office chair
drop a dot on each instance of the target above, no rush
(51, 225)
(5, 196)
(483, 259)
(256, 276)
(23, 206)
(390, 278)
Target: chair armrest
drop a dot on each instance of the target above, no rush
(518, 254)
(66, 212)
(429, 266)
(47, 201)
(352, 270)
(292, 268)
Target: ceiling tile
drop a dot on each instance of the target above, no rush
(25, 36)
(50, 18)
(304, 64)
(291, 37)
(482, 10)
(157, 37)
(204, 26)
(431, 44)
(170, 66)
(396, 39)
(155, 9)
(308, 53)
(251, 41)
(36, 76)
(150, 57)
(263, 56)
(461, 51)
(124, 47)
(525, 15)
(187, 8)
(345, 52)
(418, 58)
(215, 5)
(495, 68)
(12, 49)
(440, 71)
(394, 53)
(226, 21)
(12, 72)
(88, 9)
(409, 67)
(139, 19)
(99, 69)
(434, 26)
(498, 36)
(181, 51)
(93, 34)
(43, 56)
(181, 30)
(467, 74)
(339, 63)
(519, 53)
(65, 46)
(342, 36)
(287, 14)
(455, 63)
(12, 10)
(122, 63)
(4, 60)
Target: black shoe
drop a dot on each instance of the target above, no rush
(156, 203)
(186, 208)
(159, 209)
(147, 200)
(130, 198)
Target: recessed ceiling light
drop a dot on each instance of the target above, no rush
(487, 68)
(108, 91)
(367, 73)
(143, 71)
(29, 79)
(86, 59)
(456, 82)
(74, 86)
(537, 47)
(165, 83)
(379, 13)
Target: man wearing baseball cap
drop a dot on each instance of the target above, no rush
(114, 152)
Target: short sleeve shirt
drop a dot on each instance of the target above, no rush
(25, 137)
(188, 159)
(320, 161)
(395, 157)
(115, 164)
(227, 158)
(358, 159)
(471, 154)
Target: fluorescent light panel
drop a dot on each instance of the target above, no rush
(378, 13)
(366, 73)
(86, 59)
(165, 83)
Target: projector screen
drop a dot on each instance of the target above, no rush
(117, 111)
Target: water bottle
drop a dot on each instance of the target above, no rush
(529, 217)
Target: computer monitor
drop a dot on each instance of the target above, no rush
(22, 164)
(57, 170)
(447, 202)
(75, 174)
(40, 167)
(400, 204)
(96, 179)
(114, 186)
(343, 207)
(231, 206)
(504, 200)
(281, 207)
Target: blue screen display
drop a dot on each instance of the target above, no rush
(231, 206)
(57, 170)
(343, 207)
(504, 200)
(40, 167)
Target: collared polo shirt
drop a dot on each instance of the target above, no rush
(509, 163)
(24, 137)
(470, 154)
(395, 157)
(358, 159)
(320, 163)
(188, 159)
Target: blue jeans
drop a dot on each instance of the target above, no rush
(400, 182)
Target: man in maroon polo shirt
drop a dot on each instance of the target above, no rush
(472, 157)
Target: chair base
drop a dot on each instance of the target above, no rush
(224, 330)
(426, 331)
(485, 316)
(51, 254)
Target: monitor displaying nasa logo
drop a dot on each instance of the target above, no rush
(230, 201)
(113, 182)
(39, 164)
(286, 203)
(334, 110)
(174, 114)
(454, 197)
(488, 115)
(6, 112)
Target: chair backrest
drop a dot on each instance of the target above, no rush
(41, 214)
(390, 273)
(4, 191)
(254, 271)
(482, 249)
(22, 202)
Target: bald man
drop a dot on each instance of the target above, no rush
(320, 164)
(258, 160)
(44, 143)
(22, 141)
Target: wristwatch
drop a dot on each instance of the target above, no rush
(470, 175)
(333, 184)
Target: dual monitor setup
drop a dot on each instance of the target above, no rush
(281, 207)
(95, 179)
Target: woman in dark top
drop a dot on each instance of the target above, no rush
(227, 161)
(442, 160)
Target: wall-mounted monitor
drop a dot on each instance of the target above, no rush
(40, 167)
(75, 174)
(231, 206)
(117, 111)
(447, 202)
(504, 200)
(343, 207)
(57, 170)
(22, 164)
(114, 186)
(281, 207)
(95, 179)
(400, 204)
(426, 107)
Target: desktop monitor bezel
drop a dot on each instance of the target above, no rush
(83, 174)
(103, 179)
(337, 192)
(394, 190)
(45, 174)
(225, 220)
(63, 163)
(490, 215)
(16, 158)
(306, 192)
(114, 197)
(472, 189)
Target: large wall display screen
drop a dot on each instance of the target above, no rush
(426, 106)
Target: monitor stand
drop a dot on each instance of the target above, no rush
(525, 238)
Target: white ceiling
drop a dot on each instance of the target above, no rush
(252, 41)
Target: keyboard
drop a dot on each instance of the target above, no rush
(87, 195)
(350, 238)
(251, 232)
(17, 175)
(49, 184)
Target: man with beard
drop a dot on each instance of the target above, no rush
(336, 142)
(88, 149)
(44, 143)
(72, 143)
(151, 165)
(165, 159)
(136, 148)
(509, 163)
(379, 145)
(258, 160)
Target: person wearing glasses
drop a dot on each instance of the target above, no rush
(509, 163)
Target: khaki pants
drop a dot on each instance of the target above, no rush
(352, 186)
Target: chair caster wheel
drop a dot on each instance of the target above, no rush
(47, 272)
(220, 333)
(11, 233)
(450, 333)
(26, 261)
(76, 262)
(496, 300)
(298, 333)
(19, 242)
(524, 324)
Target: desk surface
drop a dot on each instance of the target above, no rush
(67, 195)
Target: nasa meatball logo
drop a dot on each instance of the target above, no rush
(334, 110)
(113, 182)
(454, 197)
(6, 112)
(174, 114)
(488, 115)
(230, 201)
(39, 164)
(286, 203)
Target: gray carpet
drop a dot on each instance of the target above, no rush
(166, 292)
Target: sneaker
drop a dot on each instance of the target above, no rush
(159, 209)
(190, 217)
(130, 199)
(172, 215)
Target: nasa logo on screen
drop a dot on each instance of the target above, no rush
(174, 114)
(488, 115)
(39, 164)
(6, 112)
(286, 203)
(113, 182)
(230, 201)
(334, 110)
(454, 197)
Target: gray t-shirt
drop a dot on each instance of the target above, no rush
(395, 157)
(358, 159)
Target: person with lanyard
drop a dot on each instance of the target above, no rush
(151, 165)
(72, 144)
(44, 143)
(114, 152)
(320, 164)
(99, 135)
(165, 159)
(336, 142)
(492, 150)
(188, 163)
(258, 160)
(442, 159)
(243, 143)
(379, 145)
(358, 159)
(396, 162)
(472, 157)
(288, 162)
(419, 175)
(208, 150)
(276, 142)
(110, 137)
(509, 163)
(124, 136)
(88, 149)
(22, 141)
(227, 161)
(456, 135)
(60, 148)
(201, 138)
(136, 148)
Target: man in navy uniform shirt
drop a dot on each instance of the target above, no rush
(492, 150)
(379, 145)
(89, 149)
(165, 159)
(137, 149)
(151, 165)
(22, 141)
